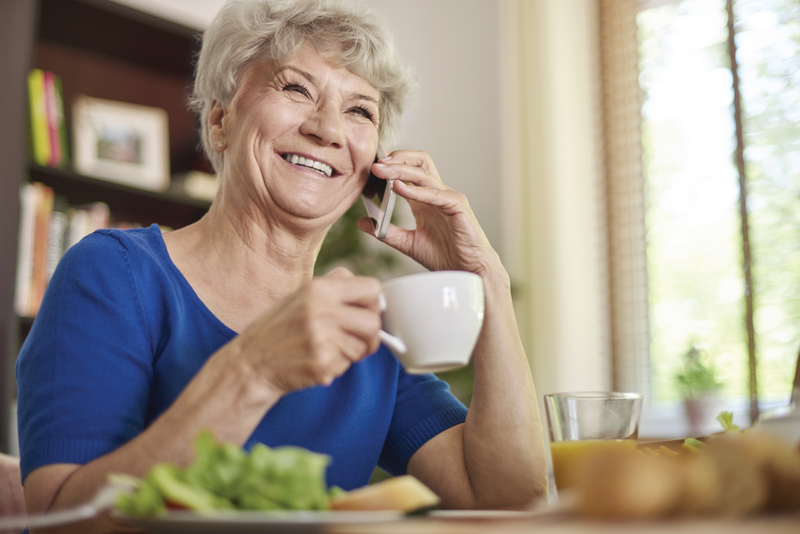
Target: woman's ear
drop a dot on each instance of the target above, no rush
(216, 126)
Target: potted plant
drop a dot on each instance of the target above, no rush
(699, 386)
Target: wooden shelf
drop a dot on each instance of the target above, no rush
(25, 324)
(107, 50)
(120, 32)
(126, 203)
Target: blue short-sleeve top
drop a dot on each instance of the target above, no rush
(120, 334)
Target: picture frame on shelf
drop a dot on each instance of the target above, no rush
(121, 142)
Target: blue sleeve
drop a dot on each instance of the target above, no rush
(424, 407)
(85, 371)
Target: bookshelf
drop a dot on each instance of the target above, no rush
(101, 49)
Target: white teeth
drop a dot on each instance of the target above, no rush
(322, 168)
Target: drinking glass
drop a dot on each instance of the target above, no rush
(582, 423)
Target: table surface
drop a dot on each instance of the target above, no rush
(539, 525)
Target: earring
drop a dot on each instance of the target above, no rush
(220, 144)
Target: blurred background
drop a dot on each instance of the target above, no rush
(636, 163)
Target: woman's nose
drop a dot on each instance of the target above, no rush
(326, 124)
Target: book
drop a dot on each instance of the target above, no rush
(62, 123)
(77, 224)
(44, 210)
(51, 112)
(28, 199)
(83, 220)
(48, 130)
(55, 242)
(39, 135)
(48, 227)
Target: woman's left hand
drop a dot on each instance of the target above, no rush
(447, 234)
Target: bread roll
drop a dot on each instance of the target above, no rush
(700, 486)
(619, 485)
(736, 474)
(743, 483)
(780, 463)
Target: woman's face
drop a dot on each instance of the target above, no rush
(300, 137)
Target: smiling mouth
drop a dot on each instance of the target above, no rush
(323, 168)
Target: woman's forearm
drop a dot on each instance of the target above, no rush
(221, 397)
(503, 445)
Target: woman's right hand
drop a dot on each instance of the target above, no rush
(315, 334)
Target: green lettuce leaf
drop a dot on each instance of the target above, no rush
(225, 477)
(726, 420)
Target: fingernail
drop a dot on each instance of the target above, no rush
(387, 158)
(380, 164)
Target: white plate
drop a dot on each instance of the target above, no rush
(483, 514)
(250, 522)
(551, 512)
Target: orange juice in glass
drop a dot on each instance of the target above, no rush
(582, 423)
(567, 456)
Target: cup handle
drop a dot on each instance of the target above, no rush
(394, 342)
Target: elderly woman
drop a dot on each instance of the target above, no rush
(143, 340)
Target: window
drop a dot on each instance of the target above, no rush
(693, 150)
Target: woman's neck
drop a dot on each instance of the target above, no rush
(239, 262)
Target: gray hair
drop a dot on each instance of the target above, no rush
(246, 31)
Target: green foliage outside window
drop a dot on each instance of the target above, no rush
(346, 245)
(694, 232)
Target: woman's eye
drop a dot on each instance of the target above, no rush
(297, 88)
(364, 112)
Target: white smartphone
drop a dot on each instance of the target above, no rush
(379, 198)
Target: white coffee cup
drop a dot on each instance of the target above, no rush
(432, 320)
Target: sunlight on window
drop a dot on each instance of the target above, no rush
(768, 42)
(693, 228)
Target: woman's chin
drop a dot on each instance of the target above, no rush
(325, 207)
(308, 215)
